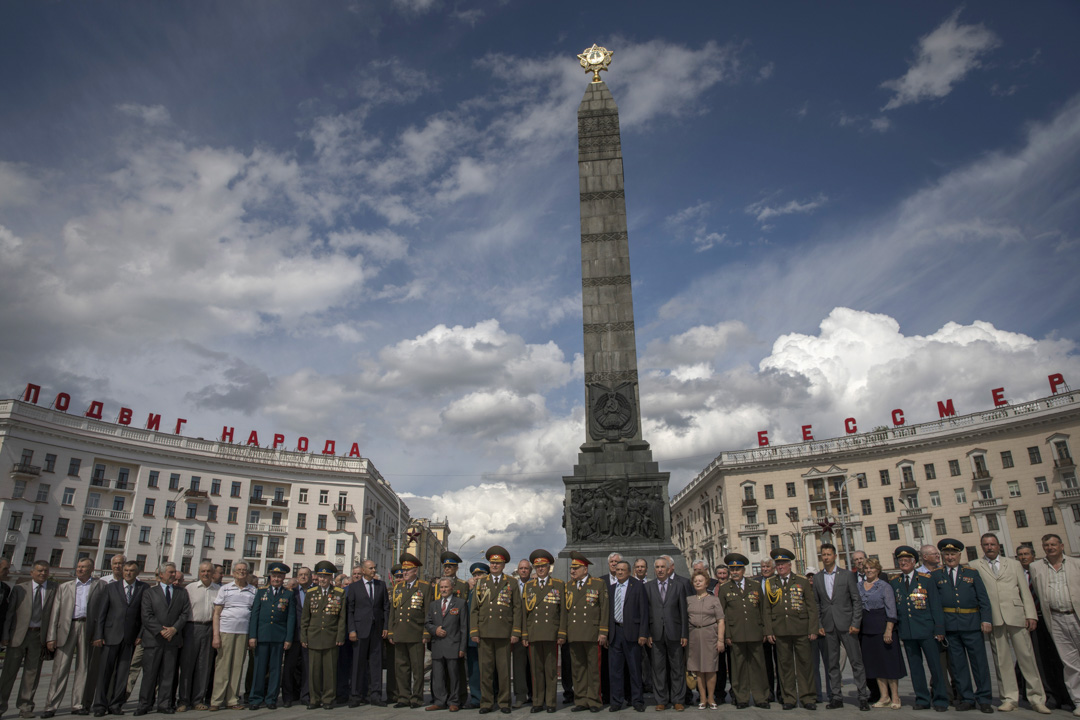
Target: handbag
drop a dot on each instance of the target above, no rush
(691, 681)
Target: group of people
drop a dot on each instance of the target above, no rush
(496, 640)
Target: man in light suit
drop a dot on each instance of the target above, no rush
(628, 608)
(366, 606)
(840, 615)
(448, 624)
(1057, 580)
(69, 637)
(116, 631)
(24, 632)
(165, 611)
(1013, 617)
(669, 629)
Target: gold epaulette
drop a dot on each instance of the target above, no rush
(922, 574)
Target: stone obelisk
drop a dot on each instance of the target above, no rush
(617, 498)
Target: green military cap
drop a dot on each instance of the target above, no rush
(736, 560)
(782, 555)
(497, 553)
(395, 569)
(278, 567)
(449, 558)
(408, 561)
(541, 557)
(906, 551)
(325, 567)
(950, 545)
(577, 559)
(479, 567)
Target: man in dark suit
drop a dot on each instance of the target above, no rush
(116, 631)
(668, 633)
(5, 589)
(629, 612)
(840, 616)
(165, 612)
(294, 675)
(366, 605)
(448, 625)
(24, 634)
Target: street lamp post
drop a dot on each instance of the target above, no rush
(843, 524)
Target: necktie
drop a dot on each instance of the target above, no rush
(619, 602)
(129, 587)
(997, 569)
(35, 612)
(909, 581)
(445, 602)
(580, 583)
(954, 574)
(168, 594)
(370, 591)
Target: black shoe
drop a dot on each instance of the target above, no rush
(941, 708)
(49, 714)
(741, 706)
(551, 709)
(595, 709)
(485, 711)
(140, 712)
(762, 705)
(964, 707)
(811, 706)
(313, 706)
(578, 708)
(639, 708)
(864, 705)
(537, 708)
(287, 703)
(920, 706)
(505, 710)
(986, 708)
(271, 706)
(835, 704)
(328, 706)
(615, 708)
(789, 706)
(255, 707)
(378, 702)
(401, 705)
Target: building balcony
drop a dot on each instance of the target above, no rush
(752, 529)
(267, 529)
(749, 502)
(988, 505)
(914, 513)
(980, 475)
(275, 554)
(107, 514)
(25, 470)
(257, 500)
(1066, 462)
(1067, 494)
(817, 497)
(909, 485)
(87, 541)
(196, 495)
(342, 509)
(252, 554)
(834, 495)
(280, 503)
(114, 544)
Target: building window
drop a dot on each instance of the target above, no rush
(174, 481)
(189, 538)
(122, 476)
(324, 497)
(339, 547)
(961, 496)
(341, 523)
(196, 481)
(298, 546)
(192, 509)
(93, 500)
(992, 523)
(884, 475)
(1006, 459)
(1014, 488)
(144, 534)
(35, 524)
(303, 495)
(235, 492)
(861, 480)
(889, 505)
(755, 546)
(152, 479)
(866, 507)
(19, 489)
(1049, 516)
(215, 486)
(56, 558)
(954, 468)
(1034, 455)
(279, 494)
(167, 533)
(230, 541)
(916, 530)
(1021, 518)
(1075, 507)
(907, 474)
(939, 527)
(871, 534)
(301, 521)
(61, 527)
(233, 514)
(148, 506)
(1041, 486)
(321, 523)
(43, 493)
(931, 474)
(965, 524)
(211, 513)
(253, 517)
(768, 492)
(69, 497)
(50, 464)
(118, 503)
(275, 518)
(935, 498)
(793, 514)
(770, 516)
(894, 532)
(185, 564)
(73, 467)
(256, 492)
(774, 542)
(320, 547)
(208, 540)
(170, 508)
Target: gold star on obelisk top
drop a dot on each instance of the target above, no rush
(595, 59)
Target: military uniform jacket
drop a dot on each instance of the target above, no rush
(322, 624)
(273, 619)
(461, 590)
(966, 606)
(918, 610)
(791, 610)
(744, 611)
(586, 611)
(495, 608)
(408, 611)
(544, 610)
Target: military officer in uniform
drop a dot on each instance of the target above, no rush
(921, 626)
(585, 626)
(747, 627)
(322, 632)
(543, 632)
(495, 624)
(270, 629)
(966, 608)
(408, 611)
(792, 617)
(450, 562)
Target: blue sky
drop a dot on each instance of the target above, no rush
(359, 221)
